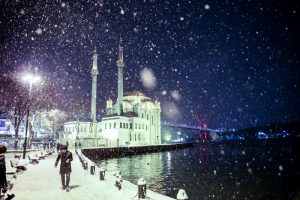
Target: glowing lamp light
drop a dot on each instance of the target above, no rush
(31, 78)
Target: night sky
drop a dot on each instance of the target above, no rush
(230, 63)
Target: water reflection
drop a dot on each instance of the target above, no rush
(218, 172)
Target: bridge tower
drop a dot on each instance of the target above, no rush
(199, 122)
(202, 127)
(205, 131)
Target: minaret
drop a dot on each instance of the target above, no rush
(94, 86)
(120, 64)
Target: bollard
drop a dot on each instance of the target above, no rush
(181, 195)
(119, 180)
(86, 166)
(102, 174)
(92, 169)
(142, 188)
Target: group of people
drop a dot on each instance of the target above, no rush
(77, 145)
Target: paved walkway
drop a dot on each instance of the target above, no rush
(42, 182)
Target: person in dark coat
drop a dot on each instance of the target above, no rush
(58, 147)
(3, 181)
(65, 158)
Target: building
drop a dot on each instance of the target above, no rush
(133, 119)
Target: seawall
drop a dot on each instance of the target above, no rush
(116, 152)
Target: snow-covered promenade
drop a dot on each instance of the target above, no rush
(42, 182)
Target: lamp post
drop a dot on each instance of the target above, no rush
(31, 79)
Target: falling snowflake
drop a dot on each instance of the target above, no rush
(164, 92)
(171, 111)
(206, 7)
(148, 78)
(122, 11)
(39, 31)
(175, 94)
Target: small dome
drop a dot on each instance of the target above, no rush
(134, 93)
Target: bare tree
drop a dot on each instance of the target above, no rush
(15, 98)
(52, 120)
(13, 102)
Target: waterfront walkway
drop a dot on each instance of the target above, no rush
(42, 182)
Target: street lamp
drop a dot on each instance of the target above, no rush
(31, 79)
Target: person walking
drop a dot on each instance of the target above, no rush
(58, 147)
(65, 158)
(3, 180)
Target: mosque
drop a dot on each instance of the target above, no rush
(133, 120)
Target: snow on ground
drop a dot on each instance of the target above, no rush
(42, 182)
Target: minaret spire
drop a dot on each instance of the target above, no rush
(95, 58)
(120, 64)
(94, 73)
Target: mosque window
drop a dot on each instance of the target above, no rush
(115, 125)
(135, 125)
(139, 126)
(142, 115)
(105, 127)
(84, 129)
(147, 117)
(126, 125)
(146, 127)
(120, 124)
(142, 126)
(131, 126)
(109, 125)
